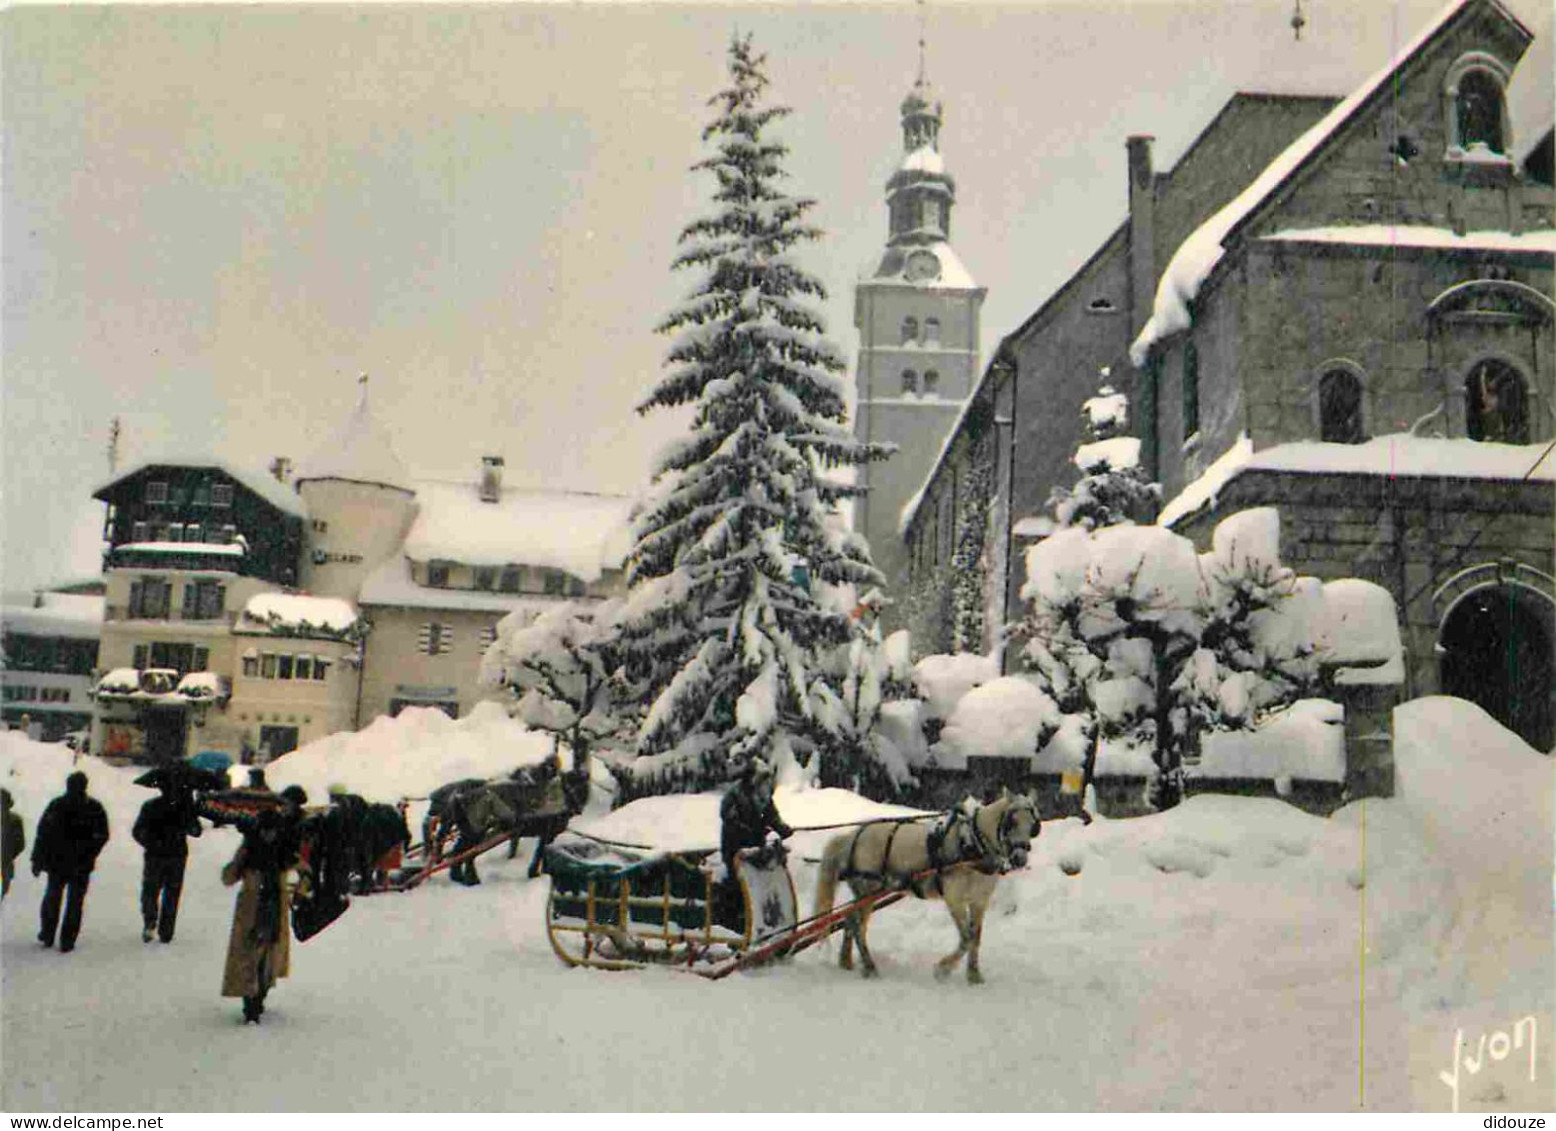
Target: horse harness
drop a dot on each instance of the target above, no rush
(977, 851)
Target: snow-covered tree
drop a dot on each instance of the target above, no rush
(559, 669)
(722, 636)
(1113, 488)
(866, 674)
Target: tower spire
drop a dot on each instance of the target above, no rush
(923, 18)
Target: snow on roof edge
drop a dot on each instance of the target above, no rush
(1197, 256)
(262, 483)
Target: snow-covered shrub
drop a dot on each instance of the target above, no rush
(726, 648)
(1008, 717)
(559, 669)
(1113, 488)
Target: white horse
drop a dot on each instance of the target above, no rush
(958, 859)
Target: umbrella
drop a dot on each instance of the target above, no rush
(213, 760)
(182, 775)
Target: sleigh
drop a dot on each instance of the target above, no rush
(615, 906)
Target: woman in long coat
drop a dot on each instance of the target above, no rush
(258, 946)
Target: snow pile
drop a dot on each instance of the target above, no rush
(943, 679)
(1305, 742)
(580, 534)
(1361, 627)
(1003, 718)
(289, 614)
(412, 754)
(689, 822)
(1116, 454)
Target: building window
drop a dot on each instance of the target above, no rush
(204, 600)
(321, 668)
(1478, 110)
(553, 582)
(1496, 404)
(512, 578)
(487, 637)
(909, 383)
(156, 491)
(142, 654)
(909, 331)
(931, 383)
(140, 532)
(267, 665)
(575, 587)
(150, 599)
(229, 534)
(221, 494)
(1190, 390)
(284, 666)
(486, 577)
(320, 526)
(1340, 408)
(437, 575)
(435, 639)
(251, 664)
(194, 532)
(304, 667)
(931, 331)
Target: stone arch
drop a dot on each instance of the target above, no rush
(1498, 399)
(1496, 646)
(1475, 104)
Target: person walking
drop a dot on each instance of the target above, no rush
(12, 840)
(259, 944)
(162, 829)
(70, 835)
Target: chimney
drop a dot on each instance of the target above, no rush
(281, 468)
(491, 479)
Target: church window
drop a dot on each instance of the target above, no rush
(931, 383)
(931, 331)
(1475, 105)
(1479, 111)
(1190, 390)
(1496, 404)
(909, 331)
(1340, 419)
(909, 383)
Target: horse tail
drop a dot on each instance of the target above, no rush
(832, 859)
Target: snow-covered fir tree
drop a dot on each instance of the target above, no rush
(724, 637)
(560, 668)
(1113, 488)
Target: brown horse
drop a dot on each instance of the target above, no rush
(958, 859)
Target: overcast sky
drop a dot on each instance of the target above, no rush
(214, 218)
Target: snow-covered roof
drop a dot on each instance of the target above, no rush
(1398, 455)
(581, 534)
(75, 615)
(1420, 235)
(1198, 255)
(262, 483)
(924, 159)
(291, 614)
(953, 272)
(229, 549)
(391, 585)
(358, 453)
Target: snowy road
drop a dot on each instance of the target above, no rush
(1206, 959)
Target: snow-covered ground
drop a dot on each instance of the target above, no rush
(1233, 954)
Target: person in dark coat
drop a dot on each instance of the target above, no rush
(163, 827)
(12, 840)
(259, 943)
(70, 835)
(747, 812)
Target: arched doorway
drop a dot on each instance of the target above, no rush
(1496, 650)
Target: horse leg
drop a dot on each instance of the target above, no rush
(869, 970)
(975, 929)
(960, 916)
(536, 860)
(845, 959)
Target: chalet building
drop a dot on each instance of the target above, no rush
(1364, 339)
(50, 648)
(251, 613)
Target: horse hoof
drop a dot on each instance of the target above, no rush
(974, 978)
(942, 972)
(871, 972)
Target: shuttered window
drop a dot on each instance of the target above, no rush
(435, 639)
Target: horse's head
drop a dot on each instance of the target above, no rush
(1011, 824)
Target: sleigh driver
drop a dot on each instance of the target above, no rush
(745, 816)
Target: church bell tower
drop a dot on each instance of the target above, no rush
(918, 322)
